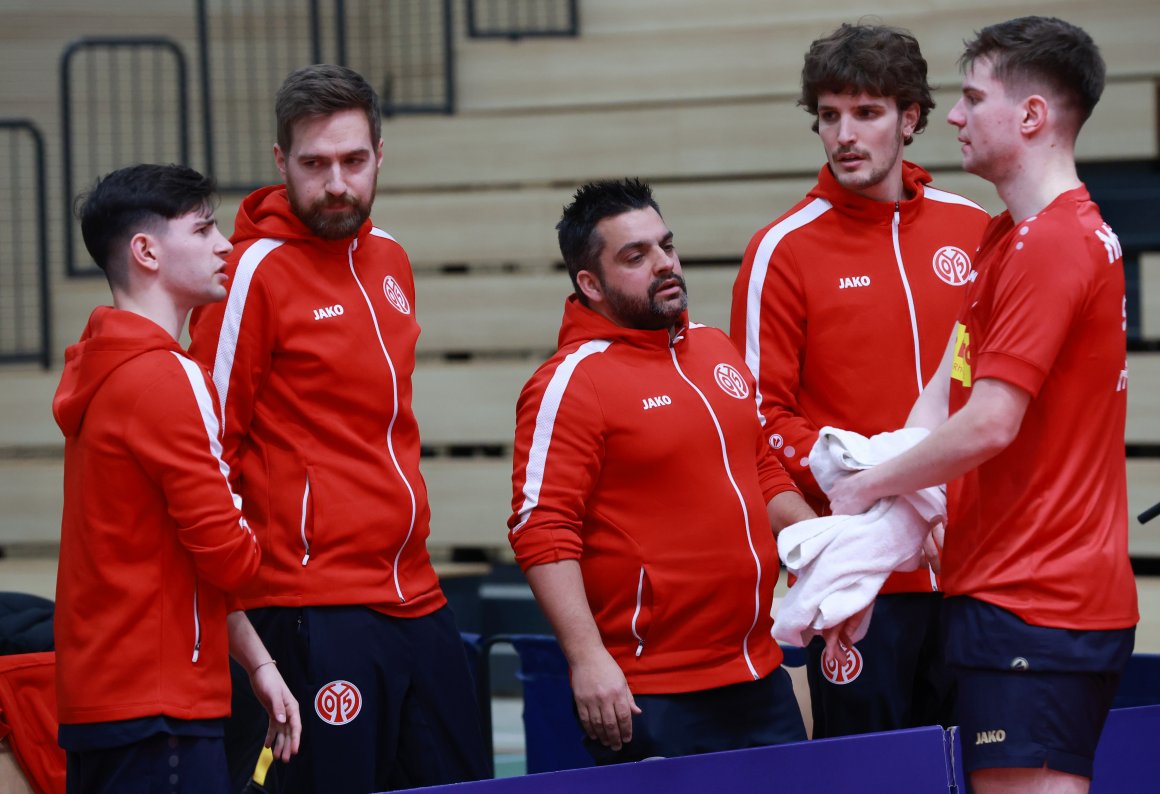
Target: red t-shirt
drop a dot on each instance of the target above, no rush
(1041, 529)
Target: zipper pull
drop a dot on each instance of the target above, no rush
(639, 648)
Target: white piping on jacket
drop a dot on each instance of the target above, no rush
(909, 297)
(394, 410)
(636, 614)
(744, 512)
(302, 523)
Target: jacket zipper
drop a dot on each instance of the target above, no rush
(909, 296)
(913, 328)
(394, 417)
(302, 525)
(740, 500)
(636, 614)
(196, 628)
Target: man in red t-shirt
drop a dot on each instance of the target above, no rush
(1041, 602)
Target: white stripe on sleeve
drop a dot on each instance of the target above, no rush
(546, 423)
(223, 363)
(806, 215)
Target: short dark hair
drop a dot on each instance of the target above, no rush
(875, 59)
(1045, 51)
(323, 90)
(580, 243)
(133, 199)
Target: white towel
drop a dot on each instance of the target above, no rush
(841, 562)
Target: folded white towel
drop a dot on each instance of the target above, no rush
(841, 562)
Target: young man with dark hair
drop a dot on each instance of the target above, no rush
(1027, 413)
(151, 537)
(851, 293)
(643, 497)
(312, 358)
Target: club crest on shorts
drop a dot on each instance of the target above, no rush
(395, 295)
(844, 671)
(952, 265)
(338, 702)
(730, 381)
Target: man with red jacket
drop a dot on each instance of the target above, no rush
(842, 308)
(312, 357)
(643, 499)
(151, 536)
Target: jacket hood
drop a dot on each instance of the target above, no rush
(266, 213)
(111, 339)
(581, 324)
(852, 204)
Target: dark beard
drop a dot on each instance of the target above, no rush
(330, 225)
(647, 314)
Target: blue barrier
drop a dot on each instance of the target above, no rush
(913, 761)
(553, 739)
(900, 762)
(1127, 759)
(1140, 683)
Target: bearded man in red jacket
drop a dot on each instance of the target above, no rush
(645, 502)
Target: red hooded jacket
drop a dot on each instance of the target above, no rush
(312, 355)
(843, 307)
(645, 461)
(151, 534)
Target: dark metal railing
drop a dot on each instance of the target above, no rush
(25, 312)
(403, 47)
(515, 19)
(123, 101)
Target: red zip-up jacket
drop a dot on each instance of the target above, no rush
(151, 533)
(312, 355)
(645, 461)
(843, 307)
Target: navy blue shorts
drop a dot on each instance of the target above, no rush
(894, 677)
(1030, 695)
(748, 714)
(386, 702)
(1010, 719)
(160, 764)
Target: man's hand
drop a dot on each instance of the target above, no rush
(840, 637)
(932, 546)
(852, 495)
(603, 701)
(285, 729)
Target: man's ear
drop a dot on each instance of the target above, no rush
(910, 116)
(590, 285)
(280, 161)
(143, 252)
(1035, 110)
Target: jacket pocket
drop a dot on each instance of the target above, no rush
(306, 520)
(643, 612)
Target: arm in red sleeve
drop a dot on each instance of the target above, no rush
(234, 339)
(768, 326)
(559, 449)
(174, 436)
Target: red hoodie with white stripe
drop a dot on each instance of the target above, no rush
(843, 307)
(312, 355)
(644, 460)
(151, 534)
